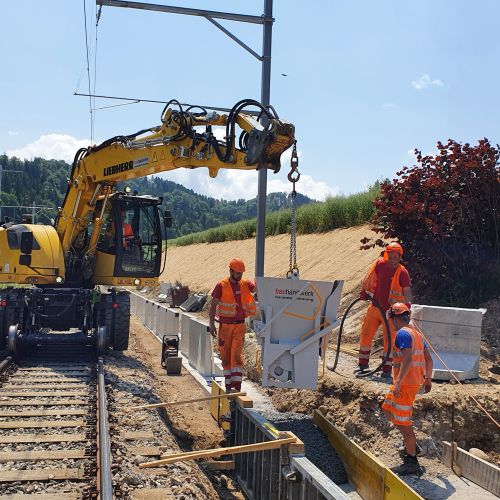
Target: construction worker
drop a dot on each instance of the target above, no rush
(386, 283)
(232, 300)
(412, 370)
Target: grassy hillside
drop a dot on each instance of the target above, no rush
(334, 213)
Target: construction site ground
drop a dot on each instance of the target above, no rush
(352, 404)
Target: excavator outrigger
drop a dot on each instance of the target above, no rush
(105, 237)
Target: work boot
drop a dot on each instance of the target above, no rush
(386, 377)
(361, 369)
(409, 467)
(402, 450)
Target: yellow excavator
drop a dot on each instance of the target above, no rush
(103, 236)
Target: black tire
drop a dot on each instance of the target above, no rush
(120, 332)
(3, 331)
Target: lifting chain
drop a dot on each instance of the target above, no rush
(293, 177)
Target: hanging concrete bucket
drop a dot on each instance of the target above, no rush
(295, 316)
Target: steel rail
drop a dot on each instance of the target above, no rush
(105, 480)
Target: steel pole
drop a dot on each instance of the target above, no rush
(265, 99)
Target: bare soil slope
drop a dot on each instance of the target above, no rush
(327, 256)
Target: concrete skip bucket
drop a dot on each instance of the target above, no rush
(295, 316)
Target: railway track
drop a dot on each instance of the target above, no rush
(52, 434)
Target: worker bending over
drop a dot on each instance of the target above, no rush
(412, 369)
(232, 302)
(386, 283)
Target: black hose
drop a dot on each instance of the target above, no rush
(341, 328)
(339, 339)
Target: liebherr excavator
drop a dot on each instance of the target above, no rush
(102, 236)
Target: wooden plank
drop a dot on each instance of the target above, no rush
(476, 469)
(146, 451)
(40, 424)
(138, 435)
(42, 402)
(218, 464)
(48, 438)
(39, 387)
(52, 394)
(42, 413)
(188, 401)
(218, 452)
(21, 456)
(54, 366)
(371, 478)
(219, 407)
(152, 494)
(8, 476)
(46, 380)
(43, 496)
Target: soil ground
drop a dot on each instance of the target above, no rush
(192, 425)
(353, 405)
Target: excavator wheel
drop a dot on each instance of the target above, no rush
(3, 330)
(121, 328)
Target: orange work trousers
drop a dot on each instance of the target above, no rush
(369, 327)
(231, 339)
(400, 409)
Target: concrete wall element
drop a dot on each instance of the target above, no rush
(200, 347)
(455, 334)
(172, 321)
(474, 468)
(185, 325)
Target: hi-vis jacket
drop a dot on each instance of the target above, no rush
(415, 375)
(396, 290)
(227, 304)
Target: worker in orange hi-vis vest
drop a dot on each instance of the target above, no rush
(412, 370)
(232, 302)
(386, 283)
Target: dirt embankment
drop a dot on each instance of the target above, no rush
(329, 256)
(354, 404)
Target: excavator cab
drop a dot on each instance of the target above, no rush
(129, 247)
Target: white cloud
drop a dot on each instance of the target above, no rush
(13, 132)
(425, 81)
(229, 184)
(236, 184)
(51, 147)
(243, 184)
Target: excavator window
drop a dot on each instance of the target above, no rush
(131, 232)
(14, 237)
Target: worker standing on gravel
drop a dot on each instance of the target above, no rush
(386, 283)
(412, 370)
(232, 302)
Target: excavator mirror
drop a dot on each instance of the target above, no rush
(25, 260)
(167, 218)
(26, 245)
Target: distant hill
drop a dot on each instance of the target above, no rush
(43, 183)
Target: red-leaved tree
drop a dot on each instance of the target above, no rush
(445, 211)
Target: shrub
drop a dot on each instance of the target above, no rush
(446, 213)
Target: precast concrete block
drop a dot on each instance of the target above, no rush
(200, 347)
(161, 320)
(455, 334)
(133, 303)
(172, 321)
(185, 325)
(141, 308)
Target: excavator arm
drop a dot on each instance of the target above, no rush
(185, 139)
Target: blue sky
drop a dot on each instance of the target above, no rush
(367, 81)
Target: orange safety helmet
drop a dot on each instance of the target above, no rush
(398, 309)
(393, 247)
(237, 265)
